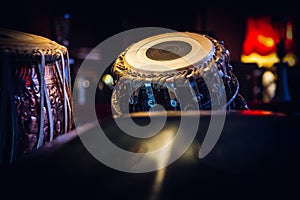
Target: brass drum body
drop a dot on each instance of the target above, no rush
(36, 102)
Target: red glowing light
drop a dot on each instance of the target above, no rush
(261, 37)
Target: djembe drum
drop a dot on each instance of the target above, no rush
(151, 72)
(36, 102)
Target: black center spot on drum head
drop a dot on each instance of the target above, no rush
(169, 50)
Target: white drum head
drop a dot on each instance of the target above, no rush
(169, 51)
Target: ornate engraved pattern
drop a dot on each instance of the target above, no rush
(27, 100)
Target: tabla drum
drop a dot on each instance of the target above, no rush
(36, 102)
(152, 71)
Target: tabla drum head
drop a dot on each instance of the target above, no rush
(173, 51)
(17, 42)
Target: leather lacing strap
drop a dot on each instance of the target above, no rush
(44, 96)
(68, 67)
(70, 87)
(41, 66)
(62, 78)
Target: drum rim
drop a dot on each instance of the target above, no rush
(18, 42)
(119, 69)
(200, 45)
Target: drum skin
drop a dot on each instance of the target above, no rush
(36, 89)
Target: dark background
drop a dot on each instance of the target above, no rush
(260, 151)
(91, 22)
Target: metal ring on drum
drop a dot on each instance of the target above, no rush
(152, 71)
(35, 89)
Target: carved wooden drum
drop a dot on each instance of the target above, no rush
(36, 102)
(152, 71)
